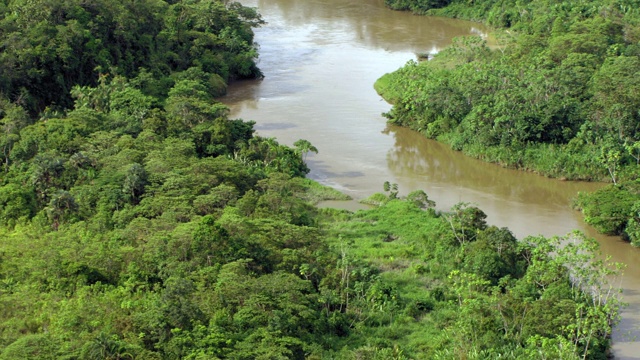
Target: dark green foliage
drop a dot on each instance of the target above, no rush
(51, 46)
(133, 230)
(421, 6)
(466, 222)
(61, 207)
(134, 182)
(613, 210)
(607, 209)
(16, 202)
(493, 255)
(14, 119)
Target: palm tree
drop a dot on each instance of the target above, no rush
(303, 147)
(61, 205)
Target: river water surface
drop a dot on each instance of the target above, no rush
(320, 59)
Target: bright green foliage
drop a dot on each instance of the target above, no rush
(35, 346)
(559, 97)
(418, 197)
(487, 297)
(142, 223)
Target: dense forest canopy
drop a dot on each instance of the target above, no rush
(559, 95)
(137, 221)
(49, 46)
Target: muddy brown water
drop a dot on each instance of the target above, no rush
(320, 59)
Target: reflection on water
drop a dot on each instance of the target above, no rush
(274, 126)
(526, 203)
(320, 59)
(366, 23)
(434, 162)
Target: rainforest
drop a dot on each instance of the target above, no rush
(558, 95)
(138, 220)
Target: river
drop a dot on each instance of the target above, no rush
(320, 59)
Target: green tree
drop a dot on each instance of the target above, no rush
(134, 182)
(61, 207)
(616, 94)
(14, 119)
(32, 346)
(46, 172)
(611, 157)
(107, 347)
(421, 199)
(466, 222)
(16, 202)
(304, 147)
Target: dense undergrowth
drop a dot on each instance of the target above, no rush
(559, 96)
(137, 221)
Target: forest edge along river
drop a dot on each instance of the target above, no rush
(320, 60)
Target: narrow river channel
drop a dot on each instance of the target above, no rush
(320, 59)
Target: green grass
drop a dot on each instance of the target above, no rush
(413, 254)
(316, 192)
(384, 88)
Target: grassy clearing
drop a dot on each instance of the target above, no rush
(407, 246)
(316, 192)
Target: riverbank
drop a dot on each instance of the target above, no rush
(547, 102)
(305, 43)
(557, 99)
(614, 210)
(550, 160)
